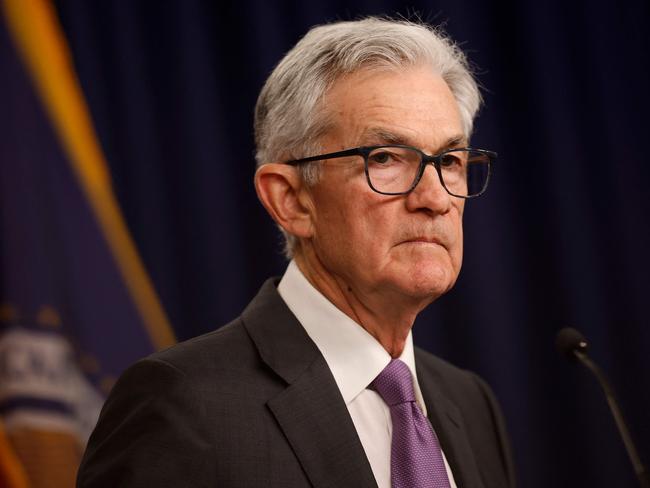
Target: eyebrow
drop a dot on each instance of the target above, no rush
(380, 135)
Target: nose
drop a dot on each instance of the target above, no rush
(429, 194)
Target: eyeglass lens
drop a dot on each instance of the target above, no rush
(395, 169)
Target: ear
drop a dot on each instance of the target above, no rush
(285, 197)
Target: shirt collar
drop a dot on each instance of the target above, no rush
(353, 355)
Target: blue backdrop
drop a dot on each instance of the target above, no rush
(561, 237)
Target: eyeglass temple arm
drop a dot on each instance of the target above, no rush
(320, 157)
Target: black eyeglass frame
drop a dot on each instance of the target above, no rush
(425, 159)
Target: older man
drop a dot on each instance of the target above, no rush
(362, 134)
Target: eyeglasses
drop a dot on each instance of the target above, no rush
(396, 169)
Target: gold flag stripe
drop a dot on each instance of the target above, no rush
(37, 34)
(51, 459)
(12, 472)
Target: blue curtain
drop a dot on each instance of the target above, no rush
(562, 236)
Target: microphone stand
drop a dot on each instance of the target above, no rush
(640, 470)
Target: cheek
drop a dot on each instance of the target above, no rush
(352, 235)
(334, 229)
(457, 254)
(456, 234)
(378, 221)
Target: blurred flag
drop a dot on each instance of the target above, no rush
(76, 306)
(12, 473)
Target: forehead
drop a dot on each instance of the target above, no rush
(411, 106)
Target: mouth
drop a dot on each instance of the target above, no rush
(423, 241)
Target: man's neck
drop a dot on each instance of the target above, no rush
(387, 318)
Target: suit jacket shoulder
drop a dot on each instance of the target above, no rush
(255, 404)
(251, 404)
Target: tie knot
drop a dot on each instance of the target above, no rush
(395, 383)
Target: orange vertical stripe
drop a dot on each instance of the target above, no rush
(12, 473)
(38, 36)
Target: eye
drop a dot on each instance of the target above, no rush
(394, 155)
(451, 160)
(382, 157)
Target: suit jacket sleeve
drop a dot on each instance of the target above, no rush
(148, 433)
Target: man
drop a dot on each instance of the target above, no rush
(362, 132)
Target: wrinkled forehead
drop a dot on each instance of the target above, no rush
(372, 68)
(411, 105)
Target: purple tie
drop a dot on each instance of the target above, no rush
(416, 458)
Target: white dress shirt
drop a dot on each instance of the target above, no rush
(355, 359)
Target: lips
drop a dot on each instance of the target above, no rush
(423, 240)
(426, 234)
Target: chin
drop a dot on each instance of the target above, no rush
(429, 281)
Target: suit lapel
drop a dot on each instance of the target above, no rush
(450, 429)
(310, 410)
(315, 420)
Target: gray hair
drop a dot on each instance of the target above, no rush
(289, 115)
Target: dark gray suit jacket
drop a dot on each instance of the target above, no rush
(253, 404)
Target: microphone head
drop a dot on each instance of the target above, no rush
(569, 340)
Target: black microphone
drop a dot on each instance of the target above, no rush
(573, 344)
